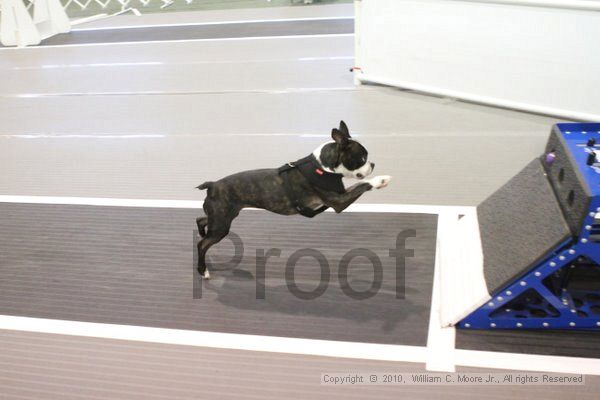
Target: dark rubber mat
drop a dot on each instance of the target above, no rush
(134, 266)
(215, 31)
(572, 344)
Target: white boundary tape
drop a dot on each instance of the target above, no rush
(440, 342)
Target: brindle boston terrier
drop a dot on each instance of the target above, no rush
(308, 187)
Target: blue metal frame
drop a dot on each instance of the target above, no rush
(551, 304)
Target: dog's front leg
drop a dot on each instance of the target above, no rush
(339, 202)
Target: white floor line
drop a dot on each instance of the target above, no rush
(234, 341)
(326, 348)
(441, 340)
(170, 64)
(112, 202)
(101, 201)
(328, 35)
(181, 93)
(250, 21)
(162, 134)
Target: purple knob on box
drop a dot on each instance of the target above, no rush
(550, 157)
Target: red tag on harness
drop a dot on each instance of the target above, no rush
(318, 171)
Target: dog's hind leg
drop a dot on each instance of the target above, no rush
(213, 236)
(202, 222)
(219, 218)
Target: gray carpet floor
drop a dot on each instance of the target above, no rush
(191, 32)
(49, 367)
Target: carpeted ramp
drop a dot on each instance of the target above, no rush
(528, 257)
(518, 224)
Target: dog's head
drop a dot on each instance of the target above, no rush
(344, 155)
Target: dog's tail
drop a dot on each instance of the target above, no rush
(205, 185)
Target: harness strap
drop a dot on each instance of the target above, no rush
(289, 192)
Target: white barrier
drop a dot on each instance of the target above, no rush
(540, 56)
(19, 28)
(16, 26)
(50, 18)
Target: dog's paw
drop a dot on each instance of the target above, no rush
(205, 274)
(380, 181)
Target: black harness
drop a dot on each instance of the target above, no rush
(312, 171)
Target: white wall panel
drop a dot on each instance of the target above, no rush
(541, 56)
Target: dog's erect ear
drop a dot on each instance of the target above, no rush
(344, 128)
(340, 137)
